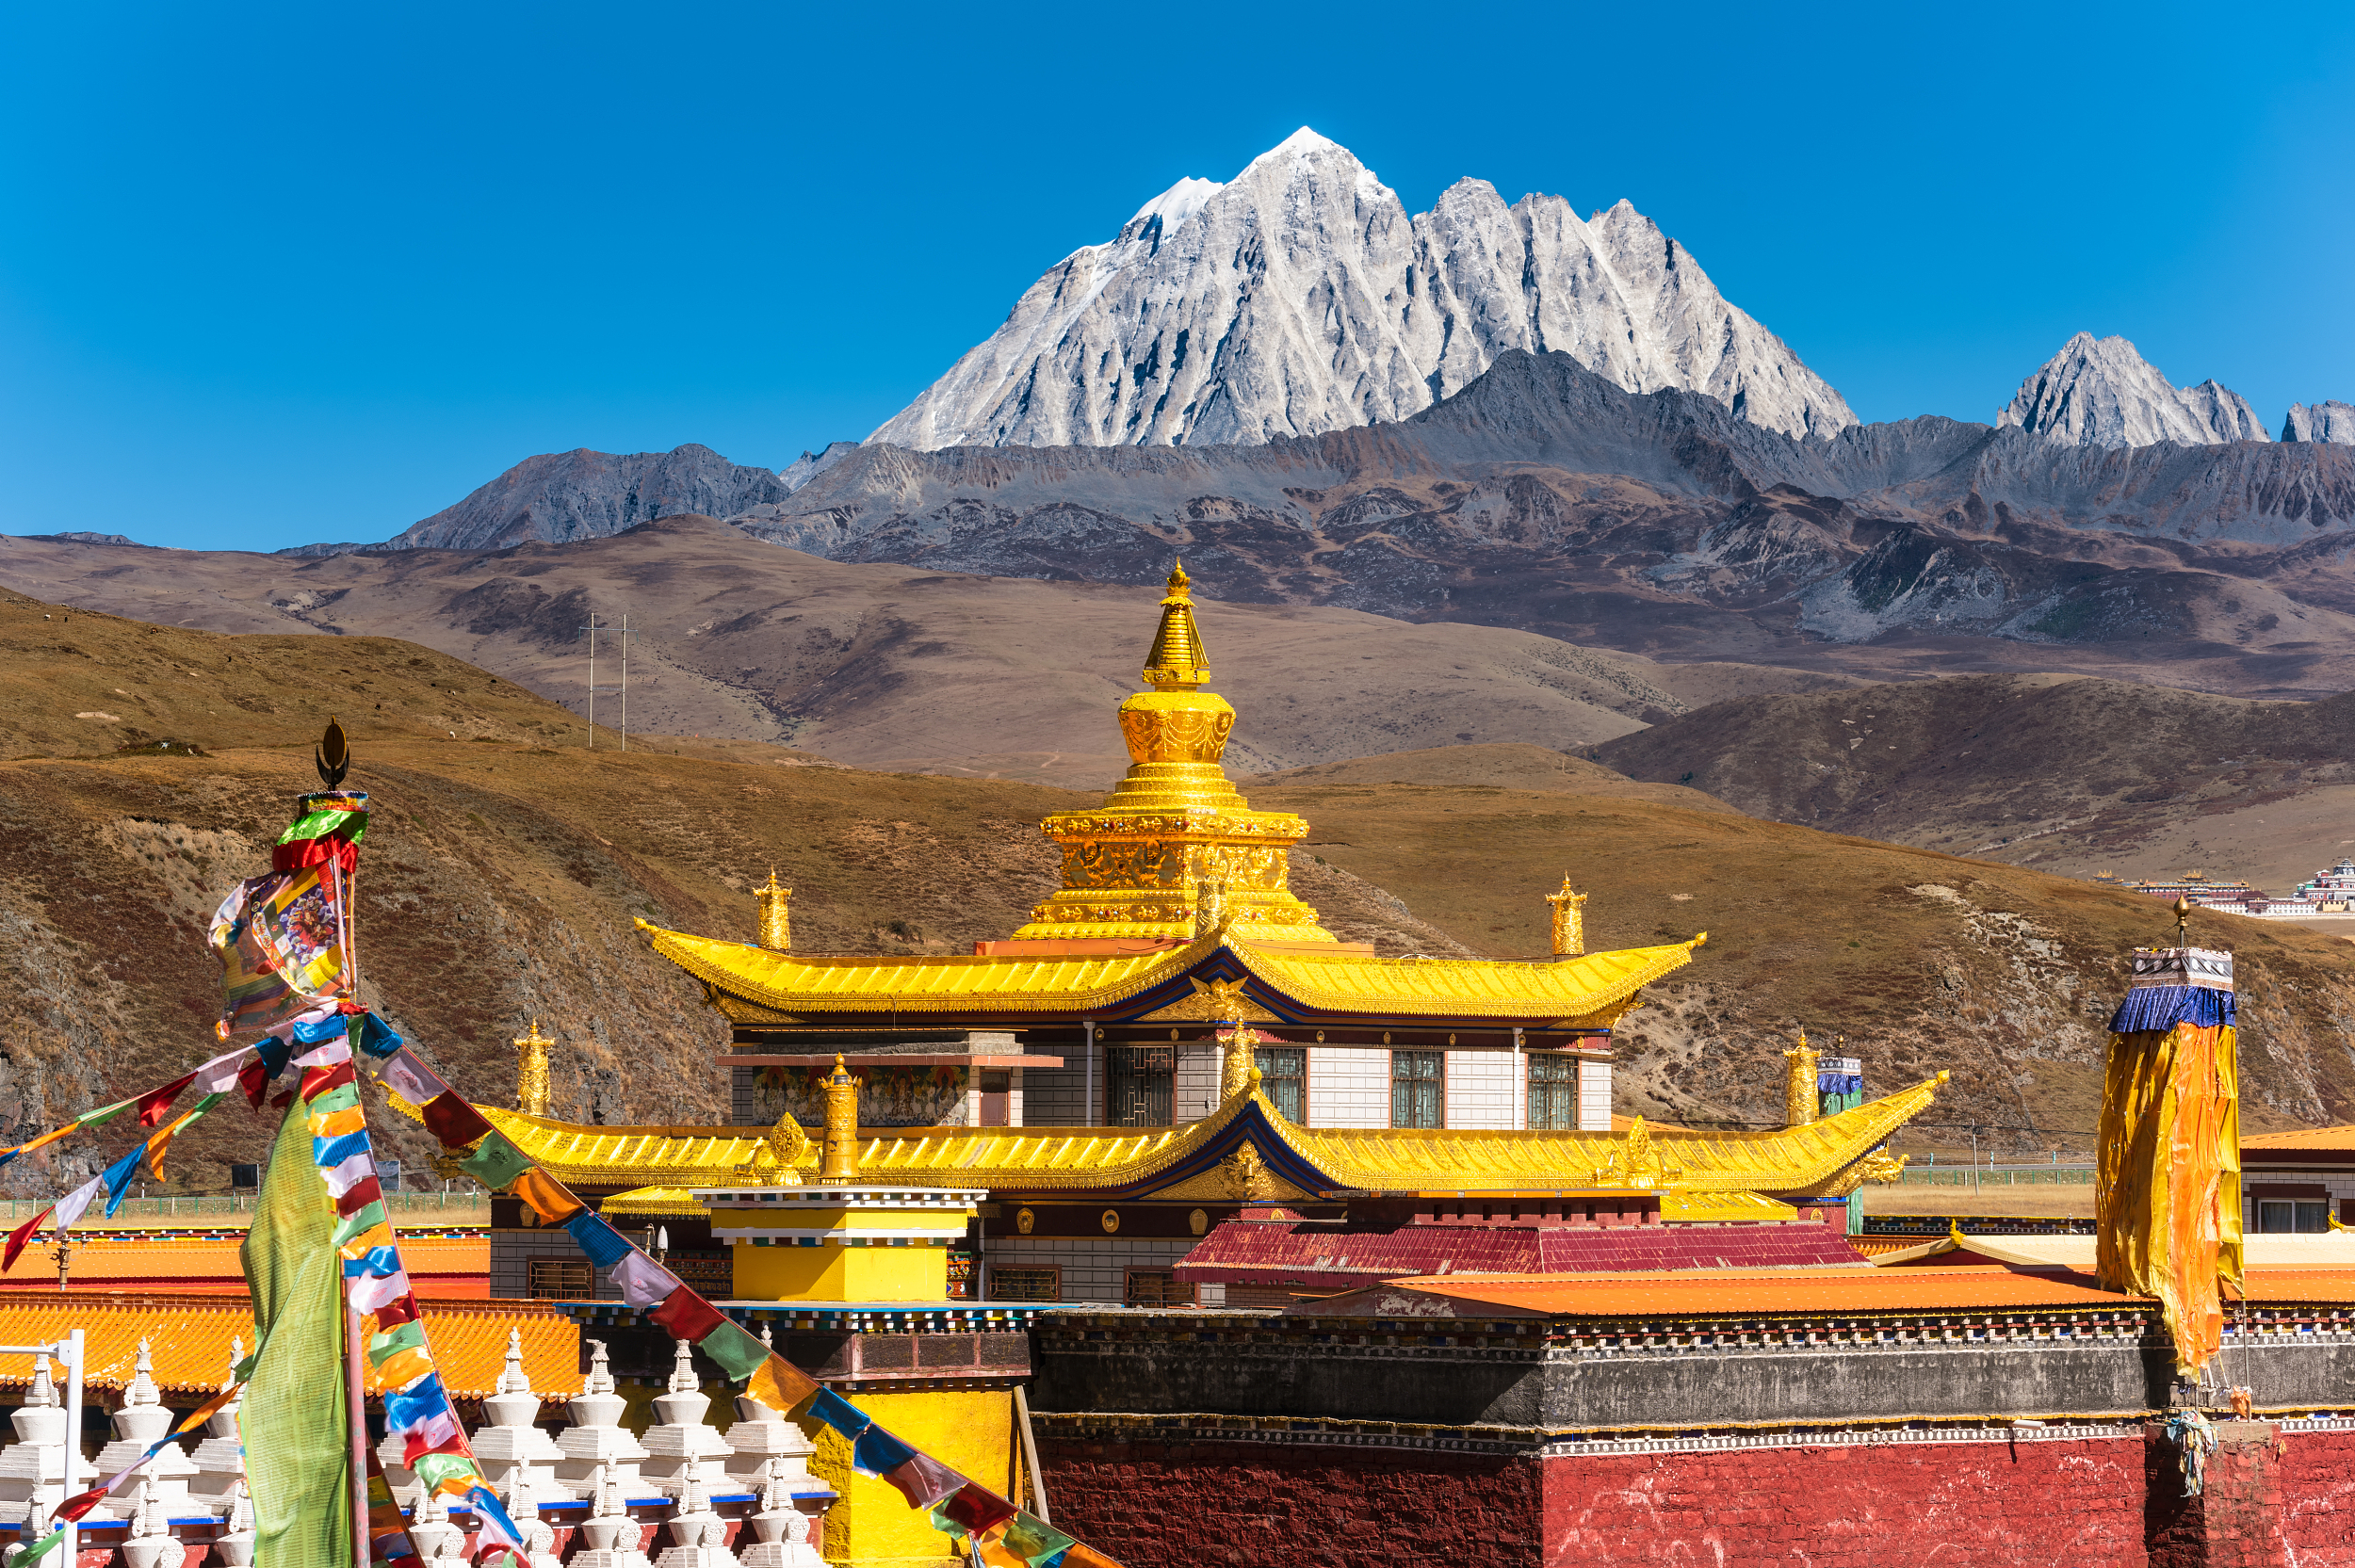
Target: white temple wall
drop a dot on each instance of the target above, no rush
(1094, 1268)
(1194, 1092)
(1481, 1087)
(1349, 1085)
(1594, 1096)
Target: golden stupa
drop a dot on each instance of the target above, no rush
(1175, 848)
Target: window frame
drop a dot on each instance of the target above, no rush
(1561, 1088)
(1128, 1288)
(1437, 1082)
(1119, 1071)
(1268, 1081)
(998, 1273)
(572, 1270)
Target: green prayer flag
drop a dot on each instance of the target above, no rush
(298, 1440)
(360, 1223)
(384, 1347)
(104, 1114)
(342, 1098)
(26, 1556)
(739, 1353)
(496, 1162)
(1031, 1537)
(318, 824)
(434, 1469)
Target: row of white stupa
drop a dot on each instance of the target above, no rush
(679, 1464)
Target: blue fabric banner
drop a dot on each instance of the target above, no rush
(2163, 1007)
(601, 1241)
(840, 1413)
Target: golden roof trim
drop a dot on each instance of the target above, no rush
(1326, 982)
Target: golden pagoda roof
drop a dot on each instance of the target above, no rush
(1201, 1160)
(1225, 971)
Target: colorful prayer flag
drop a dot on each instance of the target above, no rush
(118, 1178)
(737, 1352)
(494, 1529)
(1033, 1539)
(496, 1162)
(69, 1207)
(780, 1384)
(546, 1196)
(878, 1453)
(687, 1315)
(369, 1293)
(924, 1481)
(642, 1282)
(454, 1122)
(23, 1234)
(839, 1414)
(157, 1103)
(601, 1241)
(976, 1509)
(162, 1141)
(408, 1077)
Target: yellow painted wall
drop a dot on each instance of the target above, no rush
(841, 1273)
(971, 1431)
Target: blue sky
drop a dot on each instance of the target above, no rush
(274, 274)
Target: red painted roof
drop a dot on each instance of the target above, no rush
(1338, 1257)
(1863, 1289)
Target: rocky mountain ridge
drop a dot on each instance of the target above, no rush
(1302, 297)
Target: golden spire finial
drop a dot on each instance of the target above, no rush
(837, 1157)
(531, 1072)
(776, 919)
(1177, 661)
(1569, 921)
(1799, 1103)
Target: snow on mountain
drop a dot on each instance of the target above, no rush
(2331, 421)
(2102, 393)
(1301, 297)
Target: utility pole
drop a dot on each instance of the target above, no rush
(621, 688)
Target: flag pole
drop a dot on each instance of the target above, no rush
(355, 1397)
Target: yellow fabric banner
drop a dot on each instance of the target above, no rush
(2167, 1199)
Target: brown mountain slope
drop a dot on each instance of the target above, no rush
(1922, 960)
(899, 667)
(1498, 766)
(500, 879)
(2067, 773)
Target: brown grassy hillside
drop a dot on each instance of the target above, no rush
(501, 874)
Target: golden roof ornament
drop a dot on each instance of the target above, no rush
(1178, 661)
(1238, 1064)
(1569, 921)
(531, 1072)
(1136, 865)
(1799, 1103)
(837, 1157)
(776, 917)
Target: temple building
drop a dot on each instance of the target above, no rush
(1173, 1039)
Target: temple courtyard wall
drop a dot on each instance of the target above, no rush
(1975, 1439)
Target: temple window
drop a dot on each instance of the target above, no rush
(1156, 1287)
(556, 1279)
(1140, 1085)
(1284, 1078)
(1553, 1093)
(1418, 1089)
(1025, 1285)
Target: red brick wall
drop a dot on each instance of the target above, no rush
(2086, 1503)
(1254, 1504)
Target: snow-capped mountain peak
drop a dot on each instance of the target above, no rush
(2100, 391)
(1301, 297)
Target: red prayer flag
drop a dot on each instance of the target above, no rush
(23, 1234)
(359, 1195)
(254, 1079)
(687, 1315)
(978, 1509)
(318, 1080)
(78, 1505)
(454, 1122)
(157, 1103)
(399, 1310)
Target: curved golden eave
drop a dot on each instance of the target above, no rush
(1561, 991)
(1026, 1159)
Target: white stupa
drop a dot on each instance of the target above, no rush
(438, 1540)
(234, 1545)
(149, 1543)
(143, 1418)
(765, 1444)
(596, 1445)
(34, 1467)
(609, 1537)
(516, 1455)
(779, 1533)
(699, 1537)
(539, 1536)
(681, 1435)
(219, 1459)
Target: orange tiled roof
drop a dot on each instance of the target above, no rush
(210, 1264)
(2338, 1140)
(190, 1339)
(2301, 1284)
(1814, 1290)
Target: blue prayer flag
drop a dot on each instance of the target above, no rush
(840, 1413)
(118, 1176)
(877, 1451)
(601, 1241)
